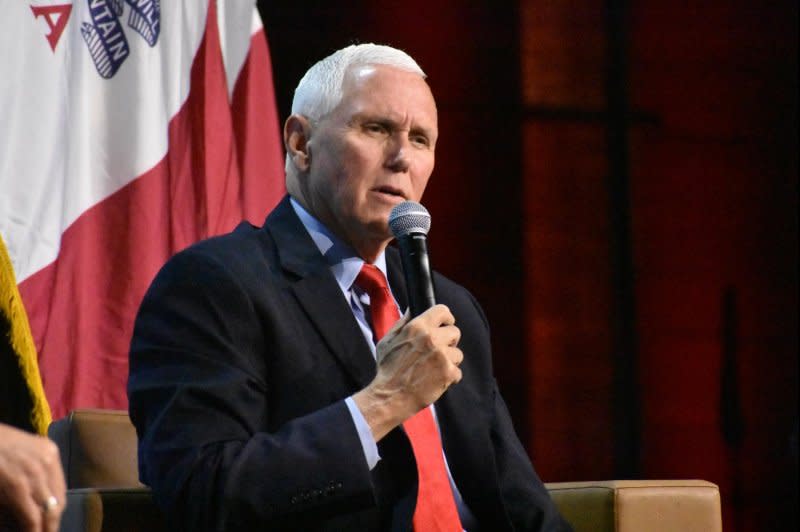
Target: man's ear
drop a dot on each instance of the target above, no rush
(296, 136)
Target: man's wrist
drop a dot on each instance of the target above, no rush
(368, 444)
(381, 412)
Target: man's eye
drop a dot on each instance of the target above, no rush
(375, 128)
(420, 140)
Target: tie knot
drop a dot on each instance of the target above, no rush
(382, 307)
(372, 280)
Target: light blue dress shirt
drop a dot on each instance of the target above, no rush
(345, 265)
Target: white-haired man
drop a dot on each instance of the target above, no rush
(272, 381)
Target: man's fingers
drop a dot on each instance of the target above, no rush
(448, 335)
(52, 508)
(54, 472)
(456, 356)
(457, 374)
(31, 481)
(436, 316)
(30, 515)
(55, 501)
(453, 372)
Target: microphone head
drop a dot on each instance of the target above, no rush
(409, 217)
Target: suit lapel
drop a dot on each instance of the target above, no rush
(318, 293)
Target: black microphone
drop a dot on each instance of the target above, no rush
(410, 222)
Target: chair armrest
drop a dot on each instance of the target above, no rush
(601, 506)
(637, 505)
(111, 510)
(98, 449)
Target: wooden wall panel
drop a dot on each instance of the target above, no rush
(563, 46)
(714, 188)
(566, 239)
(568, 300)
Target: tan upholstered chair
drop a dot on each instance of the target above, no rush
(639, 505)
(98, 451)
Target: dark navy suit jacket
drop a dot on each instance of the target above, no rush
(242, 355)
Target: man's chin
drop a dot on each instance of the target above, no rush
(378, 229)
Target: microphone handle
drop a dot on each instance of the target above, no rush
(417, 271)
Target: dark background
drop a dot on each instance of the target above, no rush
(617, 184)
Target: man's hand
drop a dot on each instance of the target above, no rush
(32, 490)
(417, 361)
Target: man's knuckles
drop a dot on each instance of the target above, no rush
(436, 316)
(456, 356)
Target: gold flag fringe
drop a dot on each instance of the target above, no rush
(21, 340)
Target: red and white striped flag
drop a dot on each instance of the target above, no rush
(128, 130)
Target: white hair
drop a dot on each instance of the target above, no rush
(320, 89)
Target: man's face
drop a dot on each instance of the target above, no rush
(373, 151)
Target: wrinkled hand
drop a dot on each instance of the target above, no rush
(30, 476)
(417, 361)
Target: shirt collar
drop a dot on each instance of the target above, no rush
(342, 259)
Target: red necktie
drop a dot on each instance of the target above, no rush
(436, 508)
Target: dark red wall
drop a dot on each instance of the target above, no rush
(714, 190)
(617, 184)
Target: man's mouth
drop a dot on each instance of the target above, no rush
(391, 191)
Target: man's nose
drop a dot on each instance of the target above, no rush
(397, 154)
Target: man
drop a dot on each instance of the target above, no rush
(253, 380)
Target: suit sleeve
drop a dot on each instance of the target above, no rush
(525, 499)
(199, 398)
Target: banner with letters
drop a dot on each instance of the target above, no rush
(128, 130)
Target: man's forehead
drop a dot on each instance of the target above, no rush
(359, 75)
(369, 83)
(360, 72)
